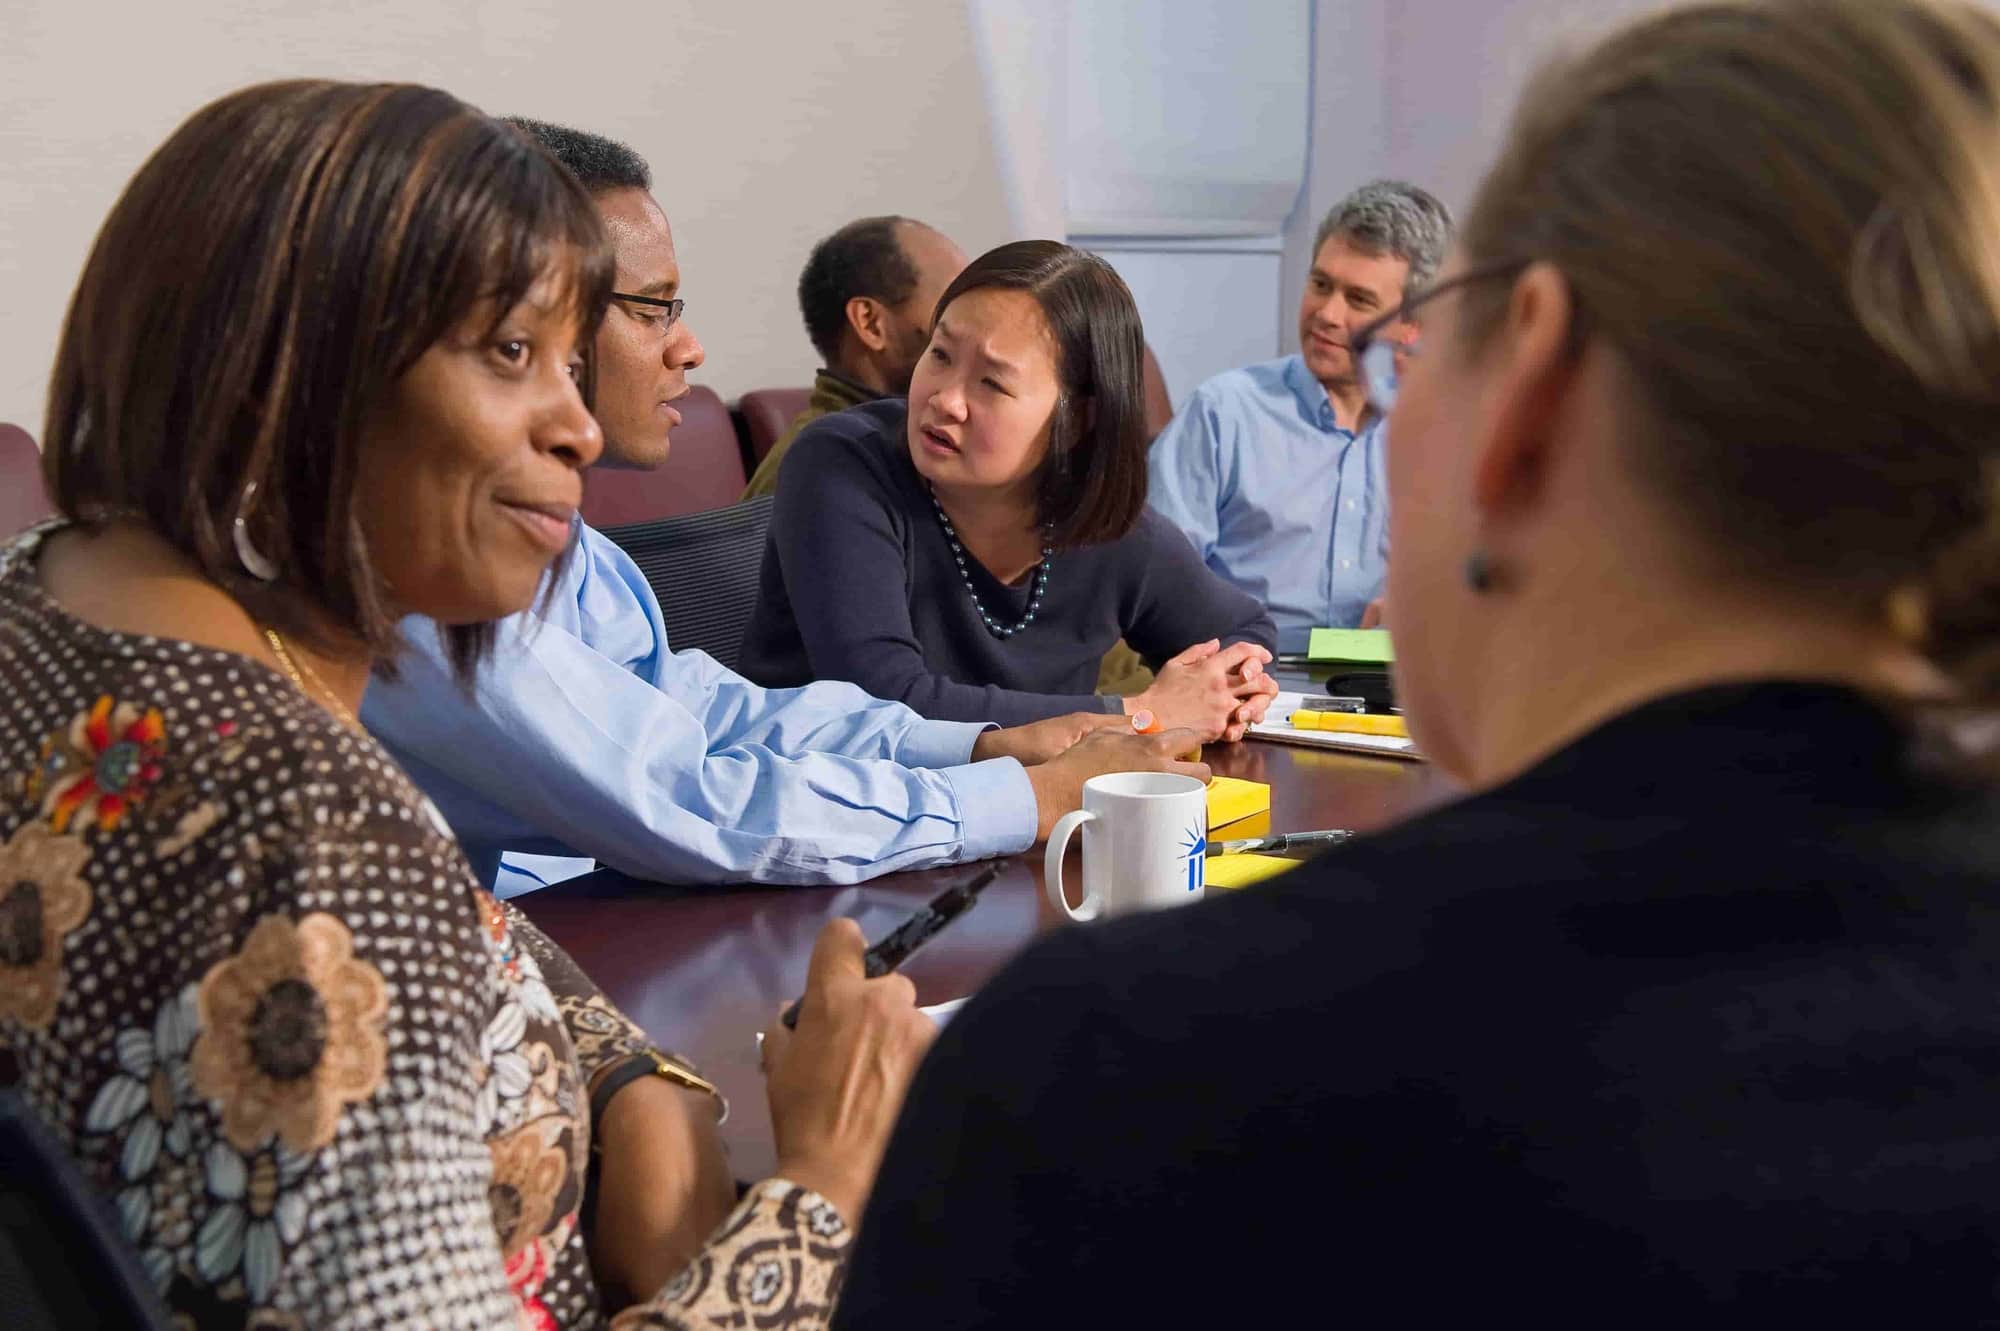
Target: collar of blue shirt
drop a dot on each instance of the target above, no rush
(1315, 403)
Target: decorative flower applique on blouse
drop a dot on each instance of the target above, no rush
(258, 1213)
(146, 1106)
(291, 1033)
(536, 1200)
(43, 899)
(531, 1110)
(101, 766)
(598, 1031)
(277, 1040)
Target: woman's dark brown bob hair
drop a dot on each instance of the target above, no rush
(1092, 486)
(269, 273)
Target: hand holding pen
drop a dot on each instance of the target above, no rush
(903, 941)
(837, 1084)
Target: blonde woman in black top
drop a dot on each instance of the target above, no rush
(1686, 1015)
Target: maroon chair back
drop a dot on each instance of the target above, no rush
(22, 499)
(1153, 390)
(766, 414)
(704, 470)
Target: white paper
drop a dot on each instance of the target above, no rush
(942, 1012)
(937, 1012)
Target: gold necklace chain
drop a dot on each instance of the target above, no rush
(328, 697)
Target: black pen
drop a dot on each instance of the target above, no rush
(914, 932)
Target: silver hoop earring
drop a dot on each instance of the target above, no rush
(254, 561)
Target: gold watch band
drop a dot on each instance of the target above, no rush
(682, 1075)
(648, 1064)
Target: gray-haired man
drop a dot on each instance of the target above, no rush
(1274, 471)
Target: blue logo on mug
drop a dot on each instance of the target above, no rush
(1196, 850)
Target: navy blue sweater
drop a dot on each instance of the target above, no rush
(859, 583)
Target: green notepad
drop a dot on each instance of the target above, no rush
(1360, 646)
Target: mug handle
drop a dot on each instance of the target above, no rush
(1052, 866)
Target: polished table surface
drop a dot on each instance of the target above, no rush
(704, 969)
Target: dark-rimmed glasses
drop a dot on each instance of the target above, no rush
(659, 323)
(1375, 356)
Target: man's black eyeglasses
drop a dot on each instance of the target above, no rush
(661, 323)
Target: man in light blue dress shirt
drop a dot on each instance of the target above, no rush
(1275, 471)
(586, 736)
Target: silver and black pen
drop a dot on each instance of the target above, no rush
(1272, 845)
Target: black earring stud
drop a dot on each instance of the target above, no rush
(1479, 572)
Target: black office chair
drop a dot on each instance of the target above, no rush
(64, 1262)
(703, 567)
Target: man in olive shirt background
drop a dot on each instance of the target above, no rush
(867, 293)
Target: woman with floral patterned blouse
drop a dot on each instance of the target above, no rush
(323, 369)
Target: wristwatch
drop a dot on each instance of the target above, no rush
(650, 1064)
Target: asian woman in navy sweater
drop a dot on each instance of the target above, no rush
(976, 551)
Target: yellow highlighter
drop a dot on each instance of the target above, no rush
(1352, 723)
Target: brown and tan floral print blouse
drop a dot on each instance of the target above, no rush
(249, 980)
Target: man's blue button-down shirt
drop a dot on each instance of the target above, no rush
(585, 735)
(1276, 497)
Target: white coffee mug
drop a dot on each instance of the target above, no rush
(1145, 843)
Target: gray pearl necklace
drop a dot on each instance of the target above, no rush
(997, 629)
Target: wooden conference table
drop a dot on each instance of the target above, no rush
(704, 969)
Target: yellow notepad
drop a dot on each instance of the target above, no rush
(1243, 870)
(1232, 799)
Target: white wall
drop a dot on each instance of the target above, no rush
(1185, 117)
(1421, 90)
(766, 124)
(1346, 143)
(1206, 306)
(1018, 44)
(1167, 136)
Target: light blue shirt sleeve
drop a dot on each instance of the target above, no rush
(604, 600)
(1184, 475)
(585, 735)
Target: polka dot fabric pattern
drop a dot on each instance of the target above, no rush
(248, 979)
